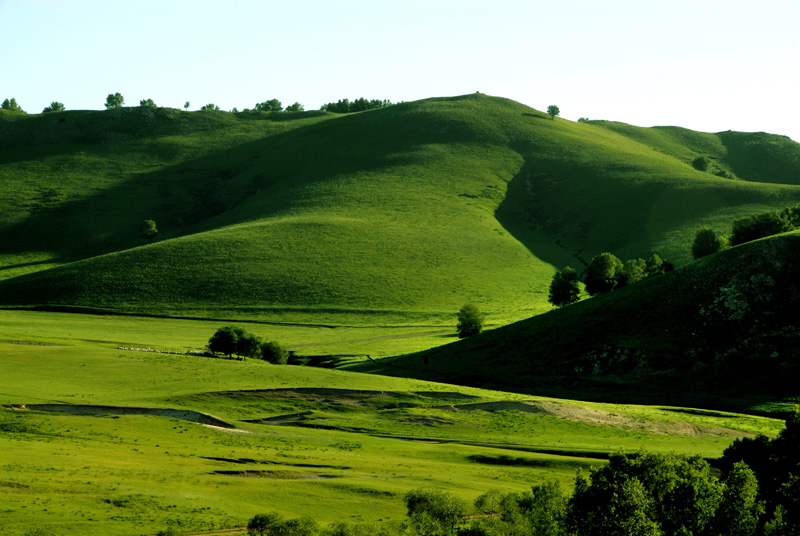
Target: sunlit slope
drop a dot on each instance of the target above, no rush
(719, 332)
(413, 210)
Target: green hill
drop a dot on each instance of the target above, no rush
(721, 332)
(401, 214)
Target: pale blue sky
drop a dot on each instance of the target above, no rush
(706, 65)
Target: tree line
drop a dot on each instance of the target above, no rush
(116, 100)
(756, 492)
(233, 340)
(747, 229)
(605, 272)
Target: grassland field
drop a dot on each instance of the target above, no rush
(336, 445)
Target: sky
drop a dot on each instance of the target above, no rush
(707, 65)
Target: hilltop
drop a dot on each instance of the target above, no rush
(721, 332)
(400, 214)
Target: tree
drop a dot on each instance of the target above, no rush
(224, 340)
(434, 512)
(296, 107)
(186, 105)
(274, 353)
(114, 100)
(12, 106)
(633, 271)
(706, 242)
(248, 345)
(564, 288)
(701, 163)
(54, 107)
(603, 273)
(210, 107)
(147, 229)
(147, 103)
(740, 508)
(759, 226)
(583, 120)
(272, 105)
(553, 111)
(470, 321)
(265, 524)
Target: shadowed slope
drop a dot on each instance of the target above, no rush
(725, 326)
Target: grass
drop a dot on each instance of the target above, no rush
(399, 215)
(733, 347)
(364, 440)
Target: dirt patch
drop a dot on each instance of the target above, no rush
(291, 418)
(83, 410)
(601, 417)
(276, 475)
(28, 343)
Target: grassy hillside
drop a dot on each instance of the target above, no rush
(104, 442)
(400, 214)
(722, 332)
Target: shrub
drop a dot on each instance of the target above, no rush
(470, 321)
(707, 242)
(12, 106)
(701, 163)
(210, 107)
(758, 226)
(114, 100)
(274, 353)
(54, 107)
(564, 288)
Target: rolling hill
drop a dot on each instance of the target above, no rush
(721, 332)
(400, 214)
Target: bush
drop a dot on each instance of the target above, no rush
(54, 107)
(12, 106)
(274, 353)
(147, 229)
(603, 273)
(706, 242)
(759, 226)
(273, 105)
(701, 163)
(210, 107)
(470, 321)
(114, 100)
(564, 289)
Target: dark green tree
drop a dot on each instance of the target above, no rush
(564, 288)
(147, 229)
(248, 345)
(434, 512)
(296, 107)
(740, 509)
(186, 105)
(274, 353)
(147, 103)
(553, 111)
(11, 105)
(470, 321)
(54, 107)
(114, 100)
(759, 226)
(633, 271)
(225, 339)
(706, 242)
(210, 107)
(603, 273)
(270, 524)
(701, 163)
(272, 105)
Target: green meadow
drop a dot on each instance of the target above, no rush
(353, 240)
(336, 445)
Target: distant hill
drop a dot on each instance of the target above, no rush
(721, 332)
(401, 214)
